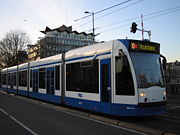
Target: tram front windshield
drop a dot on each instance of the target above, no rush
(147, 69)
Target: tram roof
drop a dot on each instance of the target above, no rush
(51, 59)
(90, 50)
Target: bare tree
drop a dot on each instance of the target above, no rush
(12, 43)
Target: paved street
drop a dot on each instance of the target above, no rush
(10, 127)
(18, 116)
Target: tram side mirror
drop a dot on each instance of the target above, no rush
(121, 54)
(164, 61)
(123, 57)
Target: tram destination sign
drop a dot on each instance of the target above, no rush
(144, 46)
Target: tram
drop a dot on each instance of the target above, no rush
(120, 77)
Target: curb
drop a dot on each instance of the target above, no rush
(127, 125)
(104, 119)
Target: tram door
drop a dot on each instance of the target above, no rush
(105, 78)
(35, 80)
(50, 81)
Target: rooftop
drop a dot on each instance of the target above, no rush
(64, 28)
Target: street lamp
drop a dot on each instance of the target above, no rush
(92, 13)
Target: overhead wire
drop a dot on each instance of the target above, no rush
(150, 14)
(119, 9)
(110, 13)
(107, 25)
(104, 9)
(163, 12)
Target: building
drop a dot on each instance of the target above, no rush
(58, 40)
(172, 75)
(34, 52)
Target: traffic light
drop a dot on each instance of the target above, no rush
(133, 27)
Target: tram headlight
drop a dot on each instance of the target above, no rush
(142, 94)
(164, 93)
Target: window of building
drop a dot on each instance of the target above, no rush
(75, 36)
(82, 37)
(60, 35)
(65, 41)
(42, 78)
(60, 41)
(64, 34)
(83, 77)
(68, 35)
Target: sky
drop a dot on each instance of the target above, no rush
(162, 17)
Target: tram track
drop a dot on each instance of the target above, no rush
(171, 115)
(166, 118)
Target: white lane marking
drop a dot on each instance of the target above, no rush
(18, 122)
(4, 111)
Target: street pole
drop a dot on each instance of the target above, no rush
(142, 27)
(17, 72)
(93, 27)
(92, 13)
(134, 29)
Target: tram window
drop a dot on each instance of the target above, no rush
(14, 79)
(124, 80)
(4, 79)
(0, 78)
(57, 77)
(23, 78)
(72, 79)
(42, 78)
(9, 79)
(35, 83)
(31, 78)
(82, 78)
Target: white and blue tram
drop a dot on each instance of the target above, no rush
(119, 77)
